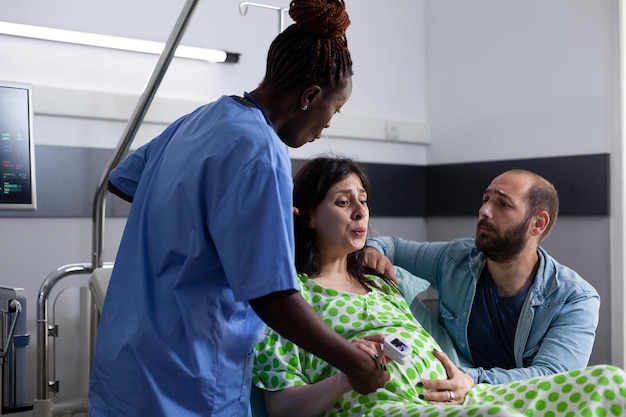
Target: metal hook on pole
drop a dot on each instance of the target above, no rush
(243, 10)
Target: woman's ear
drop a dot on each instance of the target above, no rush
(309, 96)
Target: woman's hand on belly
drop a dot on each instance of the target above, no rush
(447, 391)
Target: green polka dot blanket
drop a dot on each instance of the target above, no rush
(279, 364)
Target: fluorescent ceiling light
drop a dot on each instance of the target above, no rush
(113, 42)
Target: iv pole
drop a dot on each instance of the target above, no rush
(243, 9)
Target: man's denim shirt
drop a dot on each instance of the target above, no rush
(557, 324)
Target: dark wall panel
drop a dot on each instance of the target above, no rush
(396, 190)
(581, 181)
(67, 178)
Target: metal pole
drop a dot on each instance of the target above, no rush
(243, 10)
(133, 125)
(42, 322)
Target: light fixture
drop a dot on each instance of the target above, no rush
(113, 42)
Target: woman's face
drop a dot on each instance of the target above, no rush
(307, 125)
(341, 219)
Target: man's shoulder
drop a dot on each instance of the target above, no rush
(460, 253)
(463, 247)
(464, 243)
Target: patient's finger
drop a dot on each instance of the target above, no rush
(380, 338)
(367, 346)
(372, 348)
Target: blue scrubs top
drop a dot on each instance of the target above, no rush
(210, 228)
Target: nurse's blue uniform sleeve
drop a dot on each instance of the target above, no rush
(253, 229)
(125, 177)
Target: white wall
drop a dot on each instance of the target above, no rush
(389, 70)
(520, 79)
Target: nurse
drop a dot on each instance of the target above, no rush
(206, 258)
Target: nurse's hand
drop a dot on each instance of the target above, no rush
(372, 346)
(374, 259)
(373, 373)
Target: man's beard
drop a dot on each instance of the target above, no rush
(503, 247)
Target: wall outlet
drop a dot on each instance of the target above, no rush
(392, 130)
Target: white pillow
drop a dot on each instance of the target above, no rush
(411, 286)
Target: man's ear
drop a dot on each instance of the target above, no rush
(542, 220)
(310, 95)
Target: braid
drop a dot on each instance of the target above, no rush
(314, 50)
(323, 18)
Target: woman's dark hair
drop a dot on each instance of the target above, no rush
(311, 184)
(314, 50)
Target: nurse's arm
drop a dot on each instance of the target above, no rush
(291, 316)
(306, 400)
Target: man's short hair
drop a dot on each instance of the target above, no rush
(541, 196)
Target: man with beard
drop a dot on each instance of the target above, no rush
(512, 311)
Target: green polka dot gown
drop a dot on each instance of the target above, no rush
(279, 364)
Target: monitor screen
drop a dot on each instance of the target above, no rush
(17, 149)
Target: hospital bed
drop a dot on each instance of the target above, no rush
(410, 285)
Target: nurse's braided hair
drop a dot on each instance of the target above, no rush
(313, 50)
